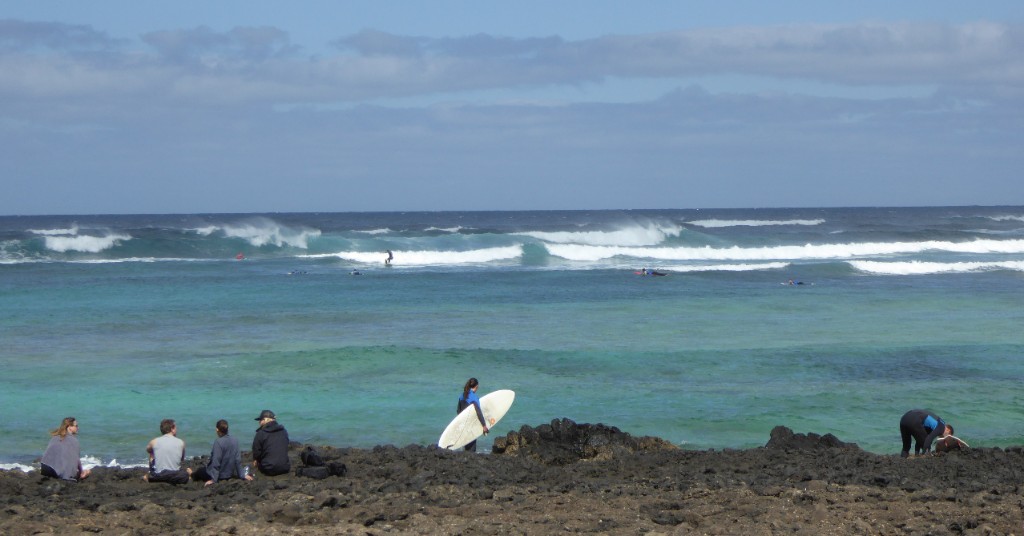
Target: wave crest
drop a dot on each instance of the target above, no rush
(633, 236)
(429, 258)
(926, 268)
(808, 251)
(84, 243)
(751, 223)
(262, 232)
(73, 230)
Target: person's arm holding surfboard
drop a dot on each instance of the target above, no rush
(473, 399)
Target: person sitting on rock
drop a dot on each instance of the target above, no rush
(225, 459)
(924, 427)
(62, 458)
(165, 456)
(270, 446)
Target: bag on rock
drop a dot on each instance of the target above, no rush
(337, 469)
(311, 457)
(318, 473)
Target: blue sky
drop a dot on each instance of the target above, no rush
(123, 107)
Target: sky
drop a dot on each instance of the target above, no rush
(116, 107)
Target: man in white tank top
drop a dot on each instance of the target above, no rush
(165, 456)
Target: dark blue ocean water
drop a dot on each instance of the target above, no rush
(124, 320)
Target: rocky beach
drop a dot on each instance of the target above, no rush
(559, 477)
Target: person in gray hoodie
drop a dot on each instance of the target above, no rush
(270, 446)
(62, 458)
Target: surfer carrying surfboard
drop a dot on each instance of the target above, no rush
(469, 398)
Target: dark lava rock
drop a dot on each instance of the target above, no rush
(784, 438)
(564, 442)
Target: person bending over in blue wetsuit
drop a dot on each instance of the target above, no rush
(924, 427)
(469, 398)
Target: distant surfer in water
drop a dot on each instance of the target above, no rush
(924, 427)
(390, 256)
(469, 398)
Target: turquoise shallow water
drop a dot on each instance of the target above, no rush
(712, 356)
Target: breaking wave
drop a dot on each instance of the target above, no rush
(926, 268)
(632, 236)
(751, 223)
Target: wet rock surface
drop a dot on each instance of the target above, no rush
(557, 477)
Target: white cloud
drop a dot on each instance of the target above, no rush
(180, 119)
(372, 64)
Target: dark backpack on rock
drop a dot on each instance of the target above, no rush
(311, 458)
(318, 473)
(337, 469)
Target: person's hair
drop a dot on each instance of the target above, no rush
(222, 427)
(62, 430)
(166, 426)
(951, 432)
(469, 385)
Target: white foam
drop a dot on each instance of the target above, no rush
(1007, 218)
(746, 267)
(376, 231)
(428, 258)
(71, 231)
(633, 236)
(808, 251)
(263, 231)
(104, 261)
(925, 268)
(84, 243)
(205, 231)
(136, 259)
(751, 223)
(88, 462)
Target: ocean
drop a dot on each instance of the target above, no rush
(124, 320)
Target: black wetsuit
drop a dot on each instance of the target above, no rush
(924, 426)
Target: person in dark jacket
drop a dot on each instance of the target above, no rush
(924, 427)
(270, 446)
(225, 459)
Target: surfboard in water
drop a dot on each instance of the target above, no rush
(466, 426)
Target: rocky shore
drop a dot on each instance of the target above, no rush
(554, 478)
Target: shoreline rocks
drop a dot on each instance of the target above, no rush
(555, 477)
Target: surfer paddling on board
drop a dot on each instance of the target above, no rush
(390, 256)
(469, 398)
(926, 427)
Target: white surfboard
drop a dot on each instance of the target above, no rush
(466, 426)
